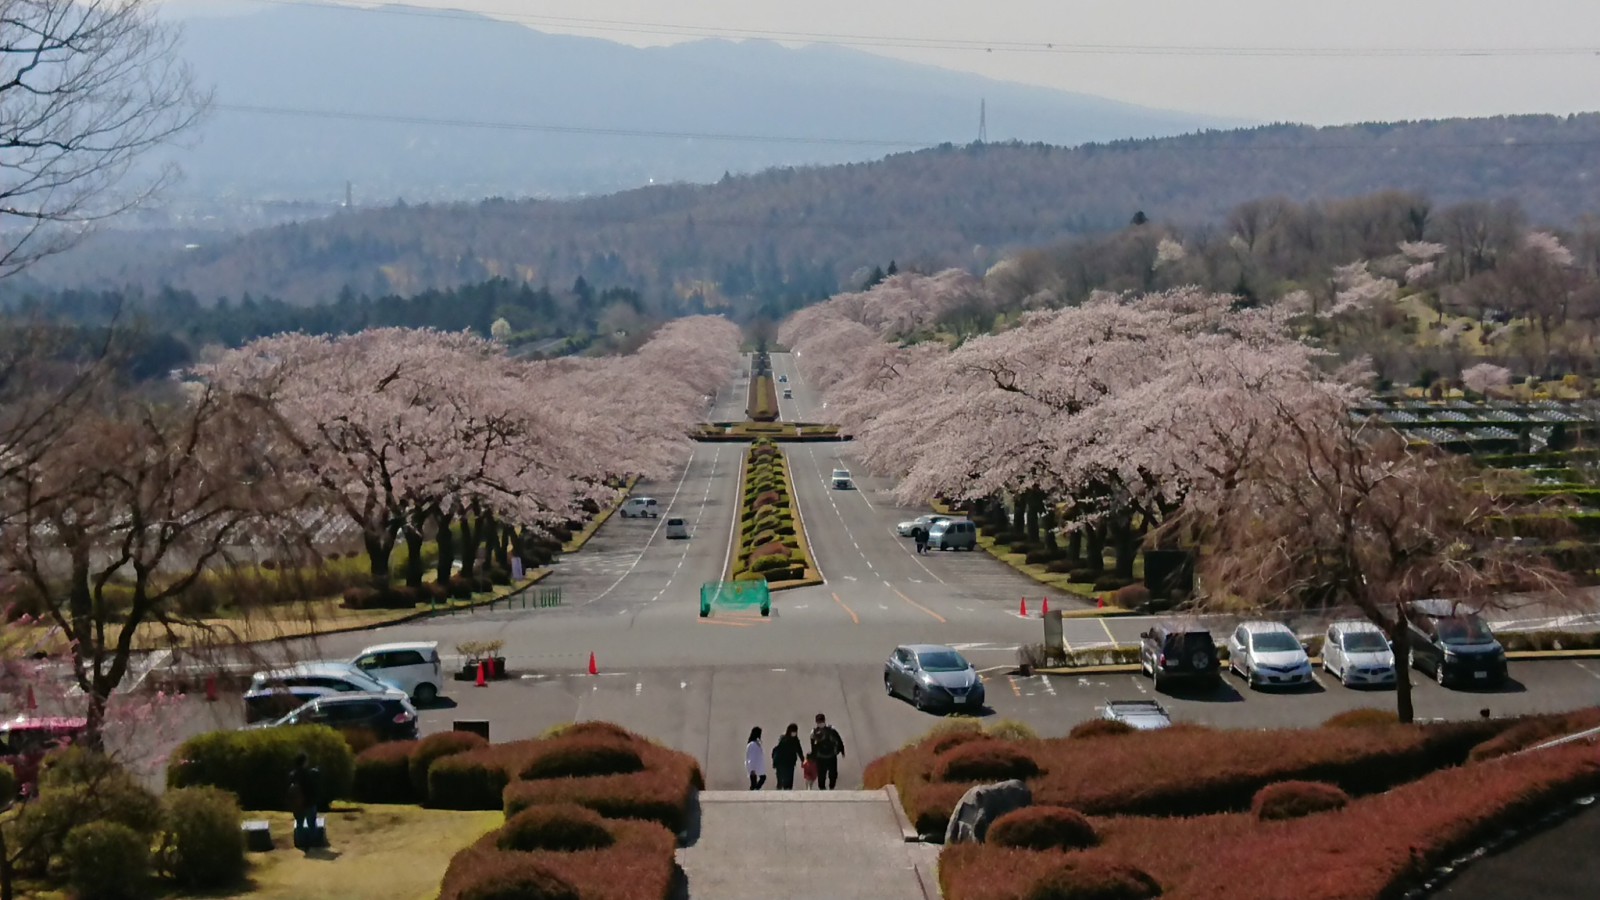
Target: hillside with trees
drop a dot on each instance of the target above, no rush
(789, 236)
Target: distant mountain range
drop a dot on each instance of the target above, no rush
(376, 74)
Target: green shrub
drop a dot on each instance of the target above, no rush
(560, 827)
(461, 587)
(106, 861)
(1099, 728)
(255, 764)
(8, 782)
(1043, 828)
(43, 824)
(583, 755)
(466, 781)
(77, 765)
(435, 747)
(749, 576)
(383, 774)
(1361, 718)
(1087, 878)
(769, 563)
(1012, 730)
(988, 760)
(202, 845)
(1293, 799)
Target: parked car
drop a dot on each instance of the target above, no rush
(920, 523)
(26, 740)
(842, 480)
(1454, 645)
(390, 717)
(640, 507)
(953, 534)
(1171, 653)
(677, 529)
(1268, 653)
(931, 675)
(411, 667)
(1358, 652)
(1140, 715)
(274, 693)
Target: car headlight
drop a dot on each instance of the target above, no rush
(1451, 656)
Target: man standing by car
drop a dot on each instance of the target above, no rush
(921, 536)
(304, 799)
(826, 748)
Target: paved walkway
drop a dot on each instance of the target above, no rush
(805, 845)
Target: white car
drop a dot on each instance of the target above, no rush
(411, 667)
(1358, 652)
(640, 507)
(920, 523)
(841, 480)
(1268, 654)
(677, 529)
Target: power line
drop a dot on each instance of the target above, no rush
(667, 29)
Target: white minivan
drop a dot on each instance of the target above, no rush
(411, 667)
(677, 529)
(641, 507)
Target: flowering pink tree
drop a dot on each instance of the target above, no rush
(1486, 378)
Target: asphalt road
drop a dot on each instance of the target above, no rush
(631, 599)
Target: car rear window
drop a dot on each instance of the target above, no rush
(674, 521)
(1190, 642)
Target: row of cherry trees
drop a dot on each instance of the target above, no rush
(1182, 419)
(116, 500)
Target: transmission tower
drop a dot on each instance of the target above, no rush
(983, 121)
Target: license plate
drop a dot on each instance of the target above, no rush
(1480, 674)
(960, 697)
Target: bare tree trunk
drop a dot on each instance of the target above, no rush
(502, 549)
(1019, 512)
(1126, 543)
(1095, 538)
(1400, 640)
(414, 542)
(446, 538)
(1047, 522)
(1075, 546)
(471, 536)
(379, 546)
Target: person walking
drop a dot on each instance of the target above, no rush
(305, 794)
(921, 534)
(755, 760)
(809, 770)
(826, 748)
(786, 755)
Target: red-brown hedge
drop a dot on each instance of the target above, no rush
(383, 774)
(1043, 828)
(1534, 732)
(661, 796)
(1094, 728)
(1296, 799)
(435, 747)
(559, 827)
(638, 865)
(1092, 878)
(503, 876)
(1362, 718)
(581, 756)
(948, 741)
(980, 761)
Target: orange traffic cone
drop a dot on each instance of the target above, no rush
(1100, 602)
(1024, 612)
(1044, 607)
(211, 688)
(593, 669)
(482, 682)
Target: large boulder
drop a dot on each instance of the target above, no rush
(981, 806)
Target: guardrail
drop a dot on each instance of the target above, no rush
(531, 598)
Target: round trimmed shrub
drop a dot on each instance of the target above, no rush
(749, 576)
(583, 756)
(503, 876)
(1099, 728)
(560, 827)
(461, 587)
(1084, 575)
(1043, 828)
(769, 563)
(77, 765)
(948, 741)
(255, 764)
(1131, 596)
(1362, 718)
(467, 781)
(591, 728)
(987, 760)
(1111, 582)
(106, 861)
(1012, 730)
(1294, 799)
(383, 774)
(1095, 879)
(435, 747)
(201, 844)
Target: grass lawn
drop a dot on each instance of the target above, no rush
(378, 851)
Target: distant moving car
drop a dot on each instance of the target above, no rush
(1358, 652)
(677, 529)
(640, 507)
(783, 379)
(411, 667)
(1171, 653)
(788, 394)
(1455, 645)
(275, 692)
(389, 717)
(1140, 715)
(1268, 653)
(920, 523)
(842, 480)
(25, 740)
(953, 534)
(932, 675)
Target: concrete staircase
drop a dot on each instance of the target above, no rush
(805, 845)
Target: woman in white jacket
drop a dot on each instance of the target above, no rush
(755, 761)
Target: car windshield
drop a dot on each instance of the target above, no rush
(1274, 642)
(365, 682)
(1365, 642)
(1464, 630)
(942, 661)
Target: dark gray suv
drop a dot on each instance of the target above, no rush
(1179, 653)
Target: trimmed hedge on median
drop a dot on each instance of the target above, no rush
(770, 546)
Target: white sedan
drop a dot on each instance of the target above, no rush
(1358, 652)
(1268, 654)
(920, 523)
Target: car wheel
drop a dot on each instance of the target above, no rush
(1438, 674)
(888, 685)
(426, 694)
(1155, 678)
(916, 699)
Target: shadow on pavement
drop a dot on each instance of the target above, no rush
(691, 829)
(439, 702)
(1221, 692)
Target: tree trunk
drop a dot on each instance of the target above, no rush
(1075, 546)
(1095, 537)
(446, 538)
(1048, 522)
(489, 537)
(1033, 502)
(1126, 544)
(414, 563)
(95, 717)
(1019, 512)
(502, 549)
(1400, 639)
(379, 546)
(471, 536)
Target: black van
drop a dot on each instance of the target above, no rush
(1455, 645)
(1172, 653)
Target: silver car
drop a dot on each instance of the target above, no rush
(933, 676)
(1140, 715)
(1358, 653)
(920, 523)
(1268, 653)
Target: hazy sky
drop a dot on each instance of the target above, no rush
(1293, 83)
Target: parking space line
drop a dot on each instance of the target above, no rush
(1015, 688)
(853, 617)
(1048, 687)
(1586, 670)
(930, 612)
(1107, 628)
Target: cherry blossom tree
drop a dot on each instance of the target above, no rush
(1486, 378)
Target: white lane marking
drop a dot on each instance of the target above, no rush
(1587, 671)
(655, 531)
(992, 669)
(638, 688)
(780, 670)
(1048, 687)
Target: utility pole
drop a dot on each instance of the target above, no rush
(983, 121)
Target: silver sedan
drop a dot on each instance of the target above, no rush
(933, 676)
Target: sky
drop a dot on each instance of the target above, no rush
(1262, 60)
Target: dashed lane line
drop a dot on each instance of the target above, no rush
(853, 617)
(657, 530)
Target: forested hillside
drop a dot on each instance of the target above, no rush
(791, 235)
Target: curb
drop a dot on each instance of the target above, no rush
(908, 832)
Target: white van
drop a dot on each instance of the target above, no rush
(411, 667)
(677, 529)
(842, 481)
(956, 534)
(641, 507)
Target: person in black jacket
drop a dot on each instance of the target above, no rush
(786, 755)
(826, 748)
(305, 795)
